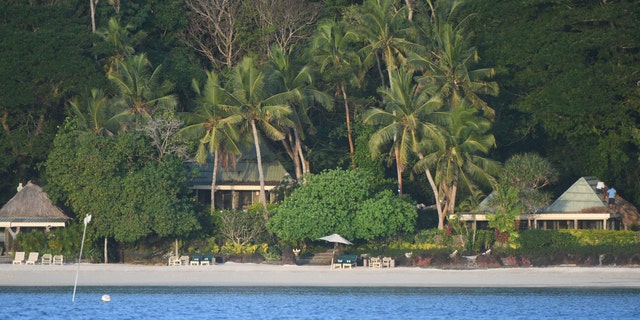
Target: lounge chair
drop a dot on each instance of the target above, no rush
(18, 258)
(46, 259)
(33, 258)
(58, 259)
(184, 260)
(375, 262)
(174, 261)
(196, 259)
(388, 262)
(208, 259)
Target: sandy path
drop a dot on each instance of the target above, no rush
(234, 274)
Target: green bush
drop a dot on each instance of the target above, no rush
(536, 243)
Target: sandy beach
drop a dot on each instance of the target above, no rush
(235, 274)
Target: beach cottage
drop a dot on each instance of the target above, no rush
(581, 206)
(29, 208)
(237, 179)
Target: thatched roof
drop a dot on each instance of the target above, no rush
(31, 207)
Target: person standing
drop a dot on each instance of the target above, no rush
(612, 198)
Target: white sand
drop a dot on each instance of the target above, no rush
(234, 274)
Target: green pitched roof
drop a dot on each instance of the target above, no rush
(580, 196)
(244, 172)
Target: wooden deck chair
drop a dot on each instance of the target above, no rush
(184, 260)
(58, 259)
(33, 258)
(46, 259)
(18, 258)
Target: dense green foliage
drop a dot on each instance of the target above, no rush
(347, 202)
(461, 85)
(113, 179)
(536, 243)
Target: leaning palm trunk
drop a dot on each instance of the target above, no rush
(263, 197)
(432, 183)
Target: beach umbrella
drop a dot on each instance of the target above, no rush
(335, 238)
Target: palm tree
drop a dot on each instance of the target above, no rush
(387, 32)
(141, 91)
(214, 126)
(448, 62)
(286, 76)
(460, 163)
(95, 114)
(247, 91)
(407, 121)
(332, 48)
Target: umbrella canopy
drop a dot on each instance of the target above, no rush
(336, 238)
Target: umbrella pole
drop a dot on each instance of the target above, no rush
(333, 254)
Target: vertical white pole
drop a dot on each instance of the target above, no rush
(87, 219)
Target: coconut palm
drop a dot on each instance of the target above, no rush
(214, 126)
(141, 91)
(95, 114)
(460, 164)
(247, 91)
(447, 64)
(333, 50)
(387, 33)
(285, 75)
(408, 121)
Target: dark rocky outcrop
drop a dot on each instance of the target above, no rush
(488, 261)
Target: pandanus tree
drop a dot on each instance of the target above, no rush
(214, 125)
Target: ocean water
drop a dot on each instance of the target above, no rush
(318, 303)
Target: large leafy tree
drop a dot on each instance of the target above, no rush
(247, 90)
(45, 58)
(348, 202)
(113, 178)
(570, 83)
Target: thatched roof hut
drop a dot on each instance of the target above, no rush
(31, 207)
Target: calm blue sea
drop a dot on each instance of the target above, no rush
(318, 303)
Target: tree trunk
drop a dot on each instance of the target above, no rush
(398, 169)
(432, 183)
(348, 115)
(106, 252)
(214, 175)
(263, 196)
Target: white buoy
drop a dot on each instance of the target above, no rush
(106, 298)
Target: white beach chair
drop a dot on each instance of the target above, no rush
(58, 259)
(46, 259)
(18, 258)
(33, 258)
